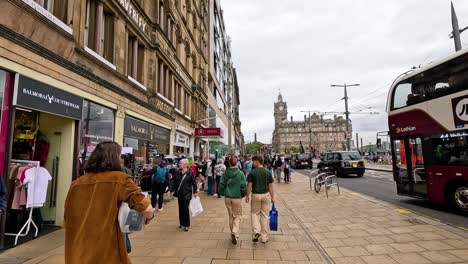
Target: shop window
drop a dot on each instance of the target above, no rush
(99, 29)
(135, 59)
(58, 8)
(97, 126)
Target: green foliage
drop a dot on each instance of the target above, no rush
(253, 147)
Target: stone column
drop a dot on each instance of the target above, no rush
(161, 78)
(166, 84)
(119, 125)
(99, 41)
(134, 72)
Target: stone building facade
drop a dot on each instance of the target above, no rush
(326, 134)
(223, 96)
(144, 65)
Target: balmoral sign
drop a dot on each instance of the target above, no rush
(43, 97)
(134, 14)
(139, 129)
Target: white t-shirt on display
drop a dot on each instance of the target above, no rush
(38, 181)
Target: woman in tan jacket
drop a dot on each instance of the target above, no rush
(92, 231)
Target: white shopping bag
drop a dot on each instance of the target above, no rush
(123, 214)
(195, 206)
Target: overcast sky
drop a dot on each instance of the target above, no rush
(303, 46)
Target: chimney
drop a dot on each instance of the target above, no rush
(292, 119)
(305, 118)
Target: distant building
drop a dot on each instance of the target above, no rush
(327, 134)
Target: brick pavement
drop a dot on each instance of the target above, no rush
(345, 228)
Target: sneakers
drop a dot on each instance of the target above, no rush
(161, 209)
(234, 239)
(186, 229)
(256, 238)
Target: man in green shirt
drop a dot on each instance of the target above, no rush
(260, 184)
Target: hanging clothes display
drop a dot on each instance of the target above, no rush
(37, 180)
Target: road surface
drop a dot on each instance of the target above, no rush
(380, 185)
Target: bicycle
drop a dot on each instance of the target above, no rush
(322, 179)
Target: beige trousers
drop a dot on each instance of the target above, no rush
(234, 208)
(260, 206)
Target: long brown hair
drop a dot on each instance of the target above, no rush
(105, 157)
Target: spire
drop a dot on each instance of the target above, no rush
(280, 97)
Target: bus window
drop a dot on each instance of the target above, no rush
(440, 81)
(451, 151)
(402, 92)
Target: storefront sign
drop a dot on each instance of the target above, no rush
(42, 97)
(160, 105)
(208, 132)
(142, 130)
(182, 140)
(134, 14)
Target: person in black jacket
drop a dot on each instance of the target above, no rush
(184, 186)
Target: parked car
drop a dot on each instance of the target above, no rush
(343, 163)
(301, 161)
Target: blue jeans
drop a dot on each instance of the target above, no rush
(278, 174)
(211, 181)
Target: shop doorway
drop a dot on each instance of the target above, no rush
(60, 133)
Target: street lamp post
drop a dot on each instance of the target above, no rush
(345, 86)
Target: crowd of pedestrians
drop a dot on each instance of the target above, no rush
(107, 183)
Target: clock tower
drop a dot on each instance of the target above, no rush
(281, 111)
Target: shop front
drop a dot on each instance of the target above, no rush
(204, 138)
(97, 126)
(145, 141)
(42, 129)
(181, 144)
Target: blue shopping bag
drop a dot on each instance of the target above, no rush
(273, 218)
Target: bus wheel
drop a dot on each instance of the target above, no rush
(459, 198)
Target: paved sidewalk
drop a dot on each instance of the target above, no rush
(346, 228)
(378, 167)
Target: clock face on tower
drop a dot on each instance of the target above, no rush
(281, 108)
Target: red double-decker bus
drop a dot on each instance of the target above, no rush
(428, 122)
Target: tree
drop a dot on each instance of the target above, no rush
(253, 148)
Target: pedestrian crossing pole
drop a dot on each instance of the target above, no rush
(456, 31)
(348, 133)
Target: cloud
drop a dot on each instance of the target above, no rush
(303, 46)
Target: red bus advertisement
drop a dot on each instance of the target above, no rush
(428, 122)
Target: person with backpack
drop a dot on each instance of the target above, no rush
(248, 165)
(233, 186)
(159, 183)
(220, 168)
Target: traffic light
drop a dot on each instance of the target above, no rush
(379, 143)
